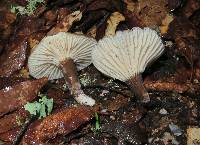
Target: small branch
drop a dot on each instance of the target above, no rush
(23, 130)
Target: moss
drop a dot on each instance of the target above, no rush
(28, 10)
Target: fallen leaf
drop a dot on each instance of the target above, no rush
(174, 4)
(193, 136)
(35, 39)
(112, 23)
(66, 23)
(9, 136)
(13, 120)
(9, 81)
(58, 95)
(165, 24)
(190, 7)
(50, 16)
(13, 97)
(130, 5)
(153, 12)
(15, 54)
(92, 32)
(101, 27)
(6, 19)
(195, 20)
(188, 47)
(110, 5)
(117, 103)
(166, 86)
(133, 20)
(181, 26)
(147, 13)
(15, 59)
(57, 124)
(176, 81)
(90, 19)
(185, 35)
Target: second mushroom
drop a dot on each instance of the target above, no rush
(125, 56)
(61, 55)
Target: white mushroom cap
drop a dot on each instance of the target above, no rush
(47, 55)
(127, 53)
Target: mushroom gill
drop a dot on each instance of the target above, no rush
(61, 55)
(125, 56)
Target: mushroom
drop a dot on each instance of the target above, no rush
(61, 55)
(125, 56)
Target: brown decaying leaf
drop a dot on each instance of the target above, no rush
(177, 82)
(193, 136)
(10, 81)
(9, 136)
(189, 47)
(130, 5)
(165, 23)
(92, 31)
(13, 120)
(181, 26)
(15, 53)
(66, 23)
(110, 5)
(190, 7)
(117, 103)
(57, 124)
(90, 19)
(166, 86)
(153, 12)
(1, 46)
(146, 13)
(58, 96)
(174, 4)
(112, 23)
(50, 16)
(133, 20)
(185, 35)
(195, 20)
(15, 59)
(35, 40)
(15, 96)
(6, 18)
(101, 27)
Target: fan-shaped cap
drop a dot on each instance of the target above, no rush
(47, 55)
(127, 53)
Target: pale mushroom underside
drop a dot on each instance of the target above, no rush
(47, 55)
(127, 53)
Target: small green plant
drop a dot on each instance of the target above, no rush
(28, 9)
(97, 123)
(42, 108)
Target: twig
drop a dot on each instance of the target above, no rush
(23, 130)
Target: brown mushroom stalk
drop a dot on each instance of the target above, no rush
(70, 74)
(135, 83)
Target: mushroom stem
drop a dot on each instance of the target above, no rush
(136, 85)
(70, 73)
(69, 70)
